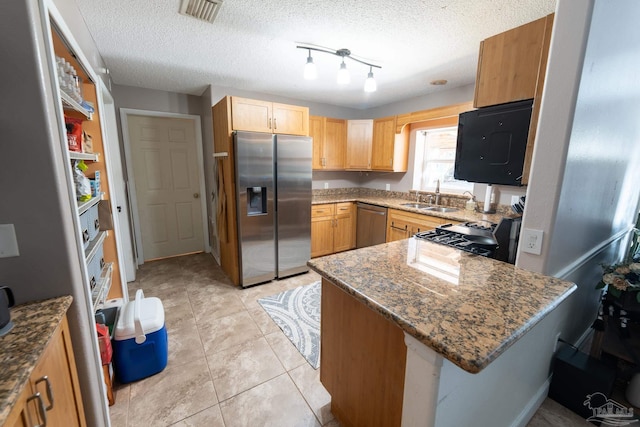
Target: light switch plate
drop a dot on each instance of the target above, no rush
(531, 241)
(8, 241)
(388, 187)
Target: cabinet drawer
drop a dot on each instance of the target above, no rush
(344, 208)
(93, 223)
(84, 229)
(318, 211)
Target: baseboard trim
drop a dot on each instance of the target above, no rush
(534, 403)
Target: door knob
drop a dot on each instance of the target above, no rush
(196, 195)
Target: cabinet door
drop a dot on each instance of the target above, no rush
(25, 411)
(321, 236)
(251, 115)
(397, 229)
(55, 378)
(322, 225)
(508, 65)
(290, 119)
(384, 132)
(344, 237)
(335, 143)
(316, 132)
(359, 134)
(424, 224)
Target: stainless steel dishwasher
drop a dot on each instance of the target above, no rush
(371, 225)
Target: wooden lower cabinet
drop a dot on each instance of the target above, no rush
(25, 410)
(362, 362)
(53, 389)
(402, 224)
(332, 228)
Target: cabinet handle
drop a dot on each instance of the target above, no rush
(43, 412)
(269, 122)
(398, 228)
(275, 125)
(391, 162)
(45, 379)
(324, 161)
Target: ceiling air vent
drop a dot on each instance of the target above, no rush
(204, 10)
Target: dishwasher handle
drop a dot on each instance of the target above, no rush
(371, 209)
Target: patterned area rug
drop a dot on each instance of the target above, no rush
(297, 313)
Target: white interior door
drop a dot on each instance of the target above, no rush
(164, 151)
(120, 202)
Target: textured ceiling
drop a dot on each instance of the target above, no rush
(252, 44)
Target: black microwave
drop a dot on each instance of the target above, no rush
(492, 142)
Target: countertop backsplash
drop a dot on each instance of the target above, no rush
(446, 199)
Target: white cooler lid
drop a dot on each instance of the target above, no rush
(151, 318)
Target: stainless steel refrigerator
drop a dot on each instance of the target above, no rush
(273, 197)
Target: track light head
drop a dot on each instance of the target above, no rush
(343, 74)
(370, 84)
(343, 77)
(310, 72)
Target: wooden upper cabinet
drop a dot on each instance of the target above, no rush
(261, 116)
(250, 115)
(359, 140)
(335, 143)
(290, 119)
(329, 142)
(389, 150)
(509, 64)
(316, 132)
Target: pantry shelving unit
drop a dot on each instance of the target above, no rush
(92, 125)
(97, 246)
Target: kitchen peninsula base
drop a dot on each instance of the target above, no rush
(378, 375)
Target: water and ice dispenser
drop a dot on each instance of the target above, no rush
(256, 201)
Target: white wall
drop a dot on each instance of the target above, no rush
(583, 193)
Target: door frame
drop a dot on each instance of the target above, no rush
(124, 121)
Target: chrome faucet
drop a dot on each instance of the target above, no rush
(437, 192)
(417, 197)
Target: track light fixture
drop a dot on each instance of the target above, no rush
(343, 76)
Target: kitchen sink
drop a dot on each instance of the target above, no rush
(416, 205)
(439, 209)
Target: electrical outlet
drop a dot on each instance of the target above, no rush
(531, 241)
(8, 241)
(388, 187)
(556, 342)
(326, 185)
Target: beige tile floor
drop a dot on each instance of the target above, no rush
(229, 364)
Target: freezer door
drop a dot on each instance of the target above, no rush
(255, 207)
(293, 192)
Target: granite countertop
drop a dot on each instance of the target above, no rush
(20, 349)
(466, 307)
(461, 215)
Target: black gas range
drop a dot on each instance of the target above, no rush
(482, 238)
